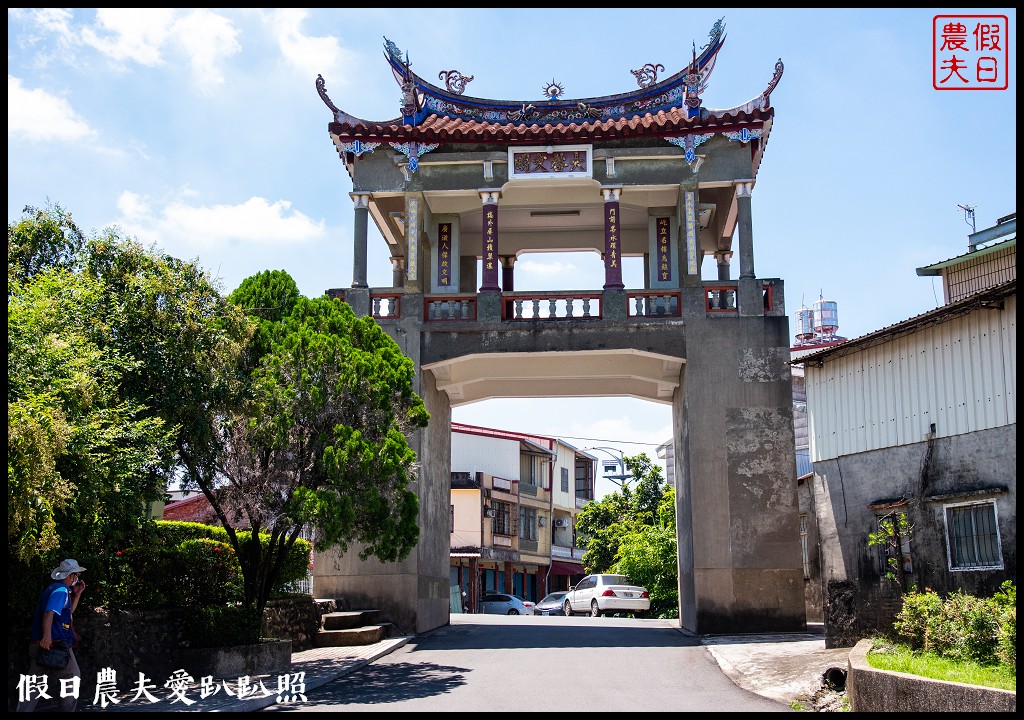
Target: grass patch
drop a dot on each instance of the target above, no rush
(885, 655)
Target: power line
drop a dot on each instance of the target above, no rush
(601, 439)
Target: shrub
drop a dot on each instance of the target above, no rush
(1006, 618)
(208, 574)
(962, 627)
(186, 565)
(223, 626)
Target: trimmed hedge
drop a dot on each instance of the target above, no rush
(188, 565)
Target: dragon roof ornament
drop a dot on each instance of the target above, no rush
(420, 98)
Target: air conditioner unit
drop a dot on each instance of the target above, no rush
(562, 522)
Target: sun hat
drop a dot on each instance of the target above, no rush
(66, 568)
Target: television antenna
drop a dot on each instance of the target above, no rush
(968, 215)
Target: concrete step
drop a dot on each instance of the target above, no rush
(346, 620)
(365, 635)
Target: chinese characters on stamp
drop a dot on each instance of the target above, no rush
(970, 52)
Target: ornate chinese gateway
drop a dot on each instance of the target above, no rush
(461, 187)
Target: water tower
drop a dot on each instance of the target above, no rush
(804, 324)
(826, 317)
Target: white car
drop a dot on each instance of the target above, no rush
(606, 595)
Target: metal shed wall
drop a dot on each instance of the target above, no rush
(960, 374)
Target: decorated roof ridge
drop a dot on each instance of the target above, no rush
(756, 112)
(420, 98)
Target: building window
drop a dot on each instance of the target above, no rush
(803, 546)
(887, 549)
(972, 535)
(527, 523)
(501, 524)
(565, 479)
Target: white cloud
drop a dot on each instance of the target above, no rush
(309, 54)
(546, 268)
(38, 115)
(144, 36)
(131, 35)
(254, 223)
(209, 39)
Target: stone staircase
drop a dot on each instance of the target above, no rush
(351, 627)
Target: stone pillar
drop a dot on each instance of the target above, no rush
(612, 240)
(750, 296)
(723, 257)
(360, 224)
(508, 578)
(397, 271)
(743, 191)
(507, 273)
(489, 234)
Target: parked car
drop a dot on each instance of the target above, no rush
(505, 604)
(606, 594)
(551, 604)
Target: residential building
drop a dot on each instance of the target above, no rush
(514, 499)
(919, 418)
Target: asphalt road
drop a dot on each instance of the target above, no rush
(482, 663)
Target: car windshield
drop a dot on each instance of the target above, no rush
(616, 580)
(553, 596)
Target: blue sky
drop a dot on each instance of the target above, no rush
(200, 130)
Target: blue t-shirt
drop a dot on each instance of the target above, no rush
(56, 599)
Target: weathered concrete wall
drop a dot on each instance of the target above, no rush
(742, 505)
(812, 584)
(858, 600)
(871, 690)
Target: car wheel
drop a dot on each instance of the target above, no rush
(512, 611)
(567, 609)
(595, 611)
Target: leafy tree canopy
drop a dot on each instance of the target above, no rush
(319, 439)
(633, 532)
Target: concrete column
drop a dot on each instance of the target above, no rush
(474, 585)
(612, 240)
(507, 272)
(360, 224)
(723, 257)
(743, 191)
(508, 577)
(397, 271)
(489, 235)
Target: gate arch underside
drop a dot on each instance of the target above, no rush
(586, 373)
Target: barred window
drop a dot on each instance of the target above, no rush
(565, 479)
(501, 524)
(527, 523)
(973, 537)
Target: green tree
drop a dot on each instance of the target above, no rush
(648, 556)
(319, 440)
(87, 452)
(633, 532)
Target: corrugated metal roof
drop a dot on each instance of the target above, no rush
(982, 299)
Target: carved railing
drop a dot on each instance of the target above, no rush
(461, 307)
(653, 303)
(385, 305)
(551, 306)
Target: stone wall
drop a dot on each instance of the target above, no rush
(148, 641)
